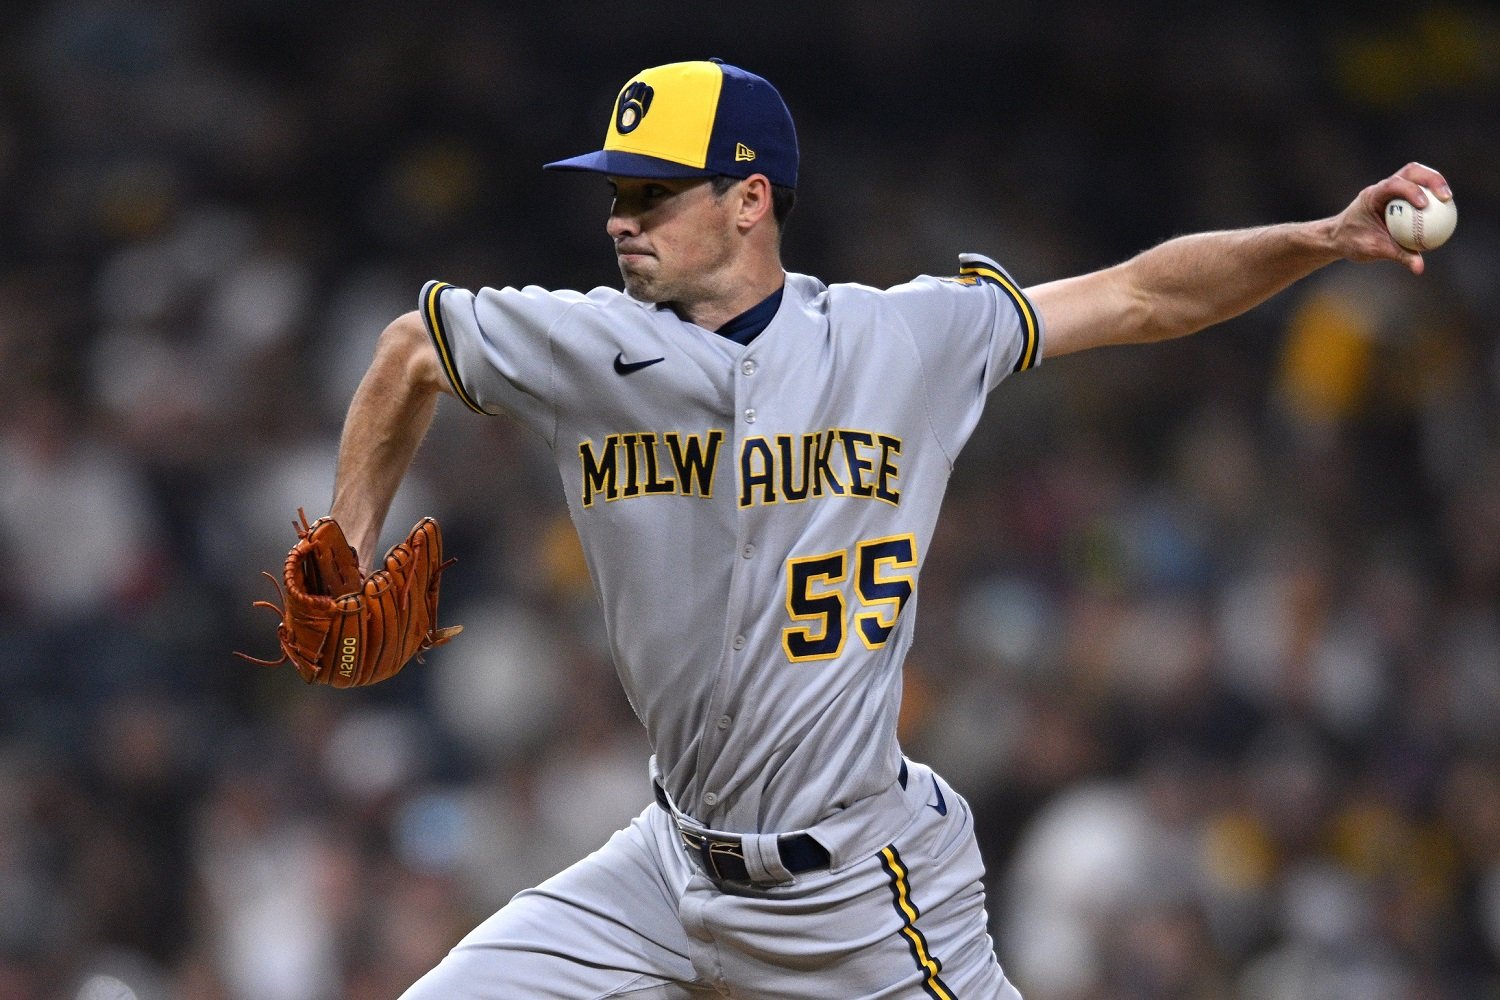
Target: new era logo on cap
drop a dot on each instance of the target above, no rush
(696, 119)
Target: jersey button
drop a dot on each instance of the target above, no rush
(710, 799)
(750, 415)
(748, 367)
(739, 643)
(724, 722)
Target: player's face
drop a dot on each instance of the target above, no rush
(674, 240)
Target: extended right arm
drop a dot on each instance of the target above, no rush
(387, 419)
(1192, 282)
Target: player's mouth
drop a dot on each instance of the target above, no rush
(632, 252)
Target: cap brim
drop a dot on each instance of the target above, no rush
(612, 161)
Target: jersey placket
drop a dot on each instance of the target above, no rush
(719, 723)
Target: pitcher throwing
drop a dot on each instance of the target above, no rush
(754, 461)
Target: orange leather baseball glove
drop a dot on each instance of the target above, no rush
(346, 630)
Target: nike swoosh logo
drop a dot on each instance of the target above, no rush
(623, 367)
(940, 805)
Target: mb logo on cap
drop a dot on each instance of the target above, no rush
(635, 101)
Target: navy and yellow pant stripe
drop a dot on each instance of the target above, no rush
(1023, 308)
(432, 315)
(907, 910)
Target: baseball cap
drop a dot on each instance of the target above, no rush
(696, 119)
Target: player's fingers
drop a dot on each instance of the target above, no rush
(1413, 175)
(1413, 261)
(1362, 232)
(1381, 245)
(1377, 196)
(1377, 243)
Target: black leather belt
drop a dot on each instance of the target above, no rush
(723, 858)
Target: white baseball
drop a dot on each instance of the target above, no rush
(1421, 228)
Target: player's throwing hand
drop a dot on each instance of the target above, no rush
(1360, 232)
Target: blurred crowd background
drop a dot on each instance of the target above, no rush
(1211, 630)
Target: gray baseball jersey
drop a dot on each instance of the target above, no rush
(754, 517)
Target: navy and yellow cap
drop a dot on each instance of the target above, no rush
(696, 119)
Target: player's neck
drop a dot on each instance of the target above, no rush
(744, 291)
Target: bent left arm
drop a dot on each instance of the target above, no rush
(1192, 282)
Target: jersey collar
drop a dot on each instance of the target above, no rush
(749, 324)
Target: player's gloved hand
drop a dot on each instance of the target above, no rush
(344, 629)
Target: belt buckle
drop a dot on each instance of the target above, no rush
(710, 850)
(722, 848)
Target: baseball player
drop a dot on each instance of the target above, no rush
(754, 461)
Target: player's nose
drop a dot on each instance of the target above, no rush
(621, 224)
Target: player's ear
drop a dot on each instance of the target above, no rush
(754, 201)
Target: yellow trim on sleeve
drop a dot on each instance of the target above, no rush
(433, 316)
(1023, 306)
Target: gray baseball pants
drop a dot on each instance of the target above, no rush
(639, 918)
